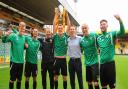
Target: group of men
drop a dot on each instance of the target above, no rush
(19, 43)
(55, 47)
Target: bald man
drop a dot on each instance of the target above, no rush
(89, 46)
(47, 58)
(17, 41)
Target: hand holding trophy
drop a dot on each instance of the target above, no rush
(62, 16)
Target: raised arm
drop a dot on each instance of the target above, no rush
(7, 37)
(15, 30)
(55, 21)
(68, 22)
(122, 29)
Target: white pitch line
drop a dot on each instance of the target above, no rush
(3, 67)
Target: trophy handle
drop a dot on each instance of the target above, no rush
(61, 18)
(64, 19)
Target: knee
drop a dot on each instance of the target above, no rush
(55, 77)
(96, 83)
(112, 86)
(27, 79)
(34, 78)
(64, 78)
(89, 83)
(104, 86)
(11, 81)
(18, 80)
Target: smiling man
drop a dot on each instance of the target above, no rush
(106, 42)
(17, 54)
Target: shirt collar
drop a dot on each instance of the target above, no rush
(73, 37)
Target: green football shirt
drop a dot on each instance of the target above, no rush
(32, 50)
(60, 45)
(17, 47)
(89, 46)
(106, 42)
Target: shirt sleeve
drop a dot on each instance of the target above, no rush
(66, 34)
(96, 42)
(121, 32)
(9, 38)
(41, 42)
(39, 45)
(27, 38)
(15, 31)
(54, 36)
(81, 45)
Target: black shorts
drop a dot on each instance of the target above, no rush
(30, 69)
(108, 74)
(92, 73)
(60, 64)
(47, 65)
(16, 71)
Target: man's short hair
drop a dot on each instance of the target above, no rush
(22, 23)
(103, 20)
(72, 25)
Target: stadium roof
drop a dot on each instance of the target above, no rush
(42, 10)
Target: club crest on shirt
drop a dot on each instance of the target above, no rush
(108, 36)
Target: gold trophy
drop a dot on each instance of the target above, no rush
(62, 16)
